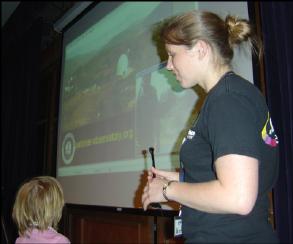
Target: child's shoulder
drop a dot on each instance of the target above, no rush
(47, 236)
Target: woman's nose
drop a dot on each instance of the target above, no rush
(169, 65)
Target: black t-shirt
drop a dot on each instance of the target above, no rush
(234, 119)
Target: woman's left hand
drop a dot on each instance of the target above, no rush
(153, 191)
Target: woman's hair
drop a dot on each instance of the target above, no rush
(38, 204)
(221, 35)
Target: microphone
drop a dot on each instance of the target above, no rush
(151, 150)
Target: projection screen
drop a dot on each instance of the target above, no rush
(117, 99)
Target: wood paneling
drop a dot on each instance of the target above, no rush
(92, 225)
(110, 228)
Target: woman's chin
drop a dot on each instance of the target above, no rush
(183, 84)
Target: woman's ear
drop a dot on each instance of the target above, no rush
(200, 49)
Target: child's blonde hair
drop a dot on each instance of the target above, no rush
(38, 204)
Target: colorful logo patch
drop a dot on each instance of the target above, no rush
(268, 133)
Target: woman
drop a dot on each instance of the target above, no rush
(37, 211)
(229, 156)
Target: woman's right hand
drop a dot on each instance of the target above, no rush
(167, 175)
(152, 192)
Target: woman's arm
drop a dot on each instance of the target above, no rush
(234, 191)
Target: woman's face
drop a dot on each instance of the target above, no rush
(184, 64)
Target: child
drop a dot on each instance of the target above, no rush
(37, 211)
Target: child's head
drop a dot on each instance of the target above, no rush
(38, 204)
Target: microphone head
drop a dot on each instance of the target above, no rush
(144, 153)
(151, 149)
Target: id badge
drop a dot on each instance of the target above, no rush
(177, 226)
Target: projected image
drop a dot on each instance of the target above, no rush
(162, 109)
(117, 98)
(99, 89)
(116, 94)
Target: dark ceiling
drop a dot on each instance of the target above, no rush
(19, 17)
(7, 8)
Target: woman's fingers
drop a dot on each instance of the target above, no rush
(153, 192)
(168, 175)
(145, 197)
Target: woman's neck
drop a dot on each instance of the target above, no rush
(214, 77)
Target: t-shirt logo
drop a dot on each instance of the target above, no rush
(189, 136)
(268, 133)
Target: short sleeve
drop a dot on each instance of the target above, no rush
(232, 127)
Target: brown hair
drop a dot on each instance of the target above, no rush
(222, 36)
(38, 204)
